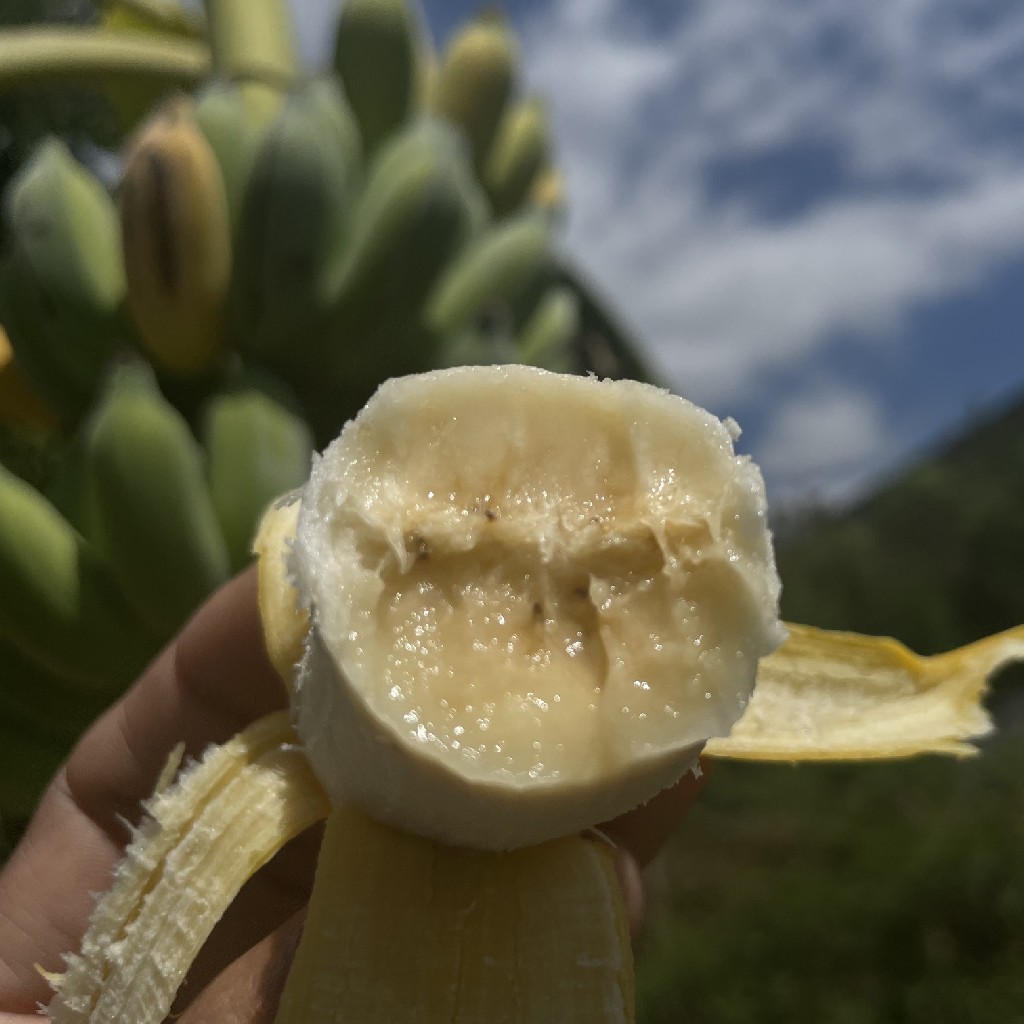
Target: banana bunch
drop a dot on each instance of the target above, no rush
(141, 525)
(384, 218)
(271, 253)
(506, 604)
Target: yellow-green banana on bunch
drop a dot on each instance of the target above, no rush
(518, 155)
(258, 448)
(475, 81)
(149, 510)
(234, 118)
(177, 242)
(63, 282)
(294, 223)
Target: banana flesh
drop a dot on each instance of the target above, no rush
(512, 638)
(203, 838)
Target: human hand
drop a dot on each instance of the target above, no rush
(209, 683)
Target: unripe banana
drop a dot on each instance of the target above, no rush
(234, 118)
(377, 54)
(497, 268)
(20, 403)
(420, 208)
(257, 449)
(43, 704)
(519, 151)
(476, 79)
(59, 604)
(547, 336)
(177, 242)
(64, 283)
(150, 511)
(294, 224)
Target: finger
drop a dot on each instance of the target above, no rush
(212, 681)
(645, 830)
(248, 991)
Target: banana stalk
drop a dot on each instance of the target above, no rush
(252, 39)
(82, 55)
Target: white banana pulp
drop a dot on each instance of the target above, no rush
(534, 598)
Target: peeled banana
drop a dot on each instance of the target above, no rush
(64, 282)
(149, 508)
(494, 620)
(177, 242)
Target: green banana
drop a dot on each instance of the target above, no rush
(519, 152)
(295, 221)
(497, 268)
(547, 336)
(234, 118)
(378, 54)
(476, 80)
(149, 509)
(257, 449)
(43, 704)
(59, 604)
(420, 208)
(64, 283)
(177, 242)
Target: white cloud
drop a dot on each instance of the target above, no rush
(906, 93)
(822, 441)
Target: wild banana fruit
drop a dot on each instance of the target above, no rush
(59, 604)
(440, 521)
(476, 79)
(234, 118)
(420, 208)
(64, 283)
(520, 150)
(150, 510)
(377, 55)
(177, 242)
(295, 222)
(257, 448)
(547, 336)
(498, 267)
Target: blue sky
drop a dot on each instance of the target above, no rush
(811, 210)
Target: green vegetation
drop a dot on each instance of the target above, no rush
(868, 894)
